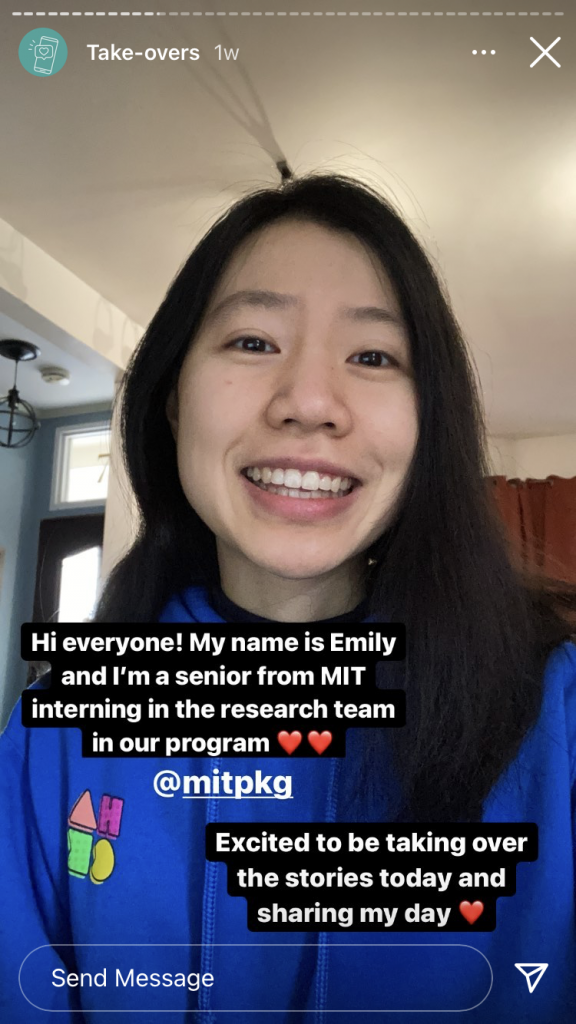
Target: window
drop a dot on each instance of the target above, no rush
(79, 585)
(81, 460)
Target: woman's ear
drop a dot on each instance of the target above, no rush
(172, 412)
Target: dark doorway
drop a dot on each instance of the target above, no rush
(59, 539)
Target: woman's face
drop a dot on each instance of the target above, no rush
(295, 415)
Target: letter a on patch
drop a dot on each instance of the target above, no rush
(82, 815)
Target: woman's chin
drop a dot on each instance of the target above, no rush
(291, 568)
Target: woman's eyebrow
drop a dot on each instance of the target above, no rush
(278, 300)
(371, 314)
(259, 297)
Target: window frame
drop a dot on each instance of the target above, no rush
(61, 464)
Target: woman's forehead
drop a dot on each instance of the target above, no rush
(300, 257)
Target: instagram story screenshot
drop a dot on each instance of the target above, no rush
(287, 512)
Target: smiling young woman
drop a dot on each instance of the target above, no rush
(308, 335)
(303, 436)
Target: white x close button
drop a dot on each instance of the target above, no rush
(545, 52)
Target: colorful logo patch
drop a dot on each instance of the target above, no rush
(87, 856)
(43, 52)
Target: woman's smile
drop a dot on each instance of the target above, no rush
(312, 481)
(286, 493)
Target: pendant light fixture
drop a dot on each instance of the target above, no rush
(18, 421)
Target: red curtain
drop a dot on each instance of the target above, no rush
(540, 516)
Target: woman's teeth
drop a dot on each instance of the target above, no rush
(294, 484)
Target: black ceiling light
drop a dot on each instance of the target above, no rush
(18, 422)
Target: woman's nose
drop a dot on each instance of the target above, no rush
(310, 393)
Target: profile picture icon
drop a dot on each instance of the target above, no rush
(43, 52)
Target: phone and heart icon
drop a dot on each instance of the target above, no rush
(45, 54)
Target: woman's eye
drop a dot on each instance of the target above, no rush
(251, 344)
(375, 358)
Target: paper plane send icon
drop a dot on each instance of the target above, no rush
(532, 973)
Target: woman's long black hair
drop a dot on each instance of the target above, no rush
(478, 632)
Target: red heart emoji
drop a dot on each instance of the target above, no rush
(471, 911)
(320, 740)
(289, 740)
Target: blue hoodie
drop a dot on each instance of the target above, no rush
(165, 909)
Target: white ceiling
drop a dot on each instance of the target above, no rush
(117, 168)
(90, 384)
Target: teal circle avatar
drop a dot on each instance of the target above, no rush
(43, 52)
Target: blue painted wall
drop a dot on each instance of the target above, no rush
(26, 483)
(16, 475)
